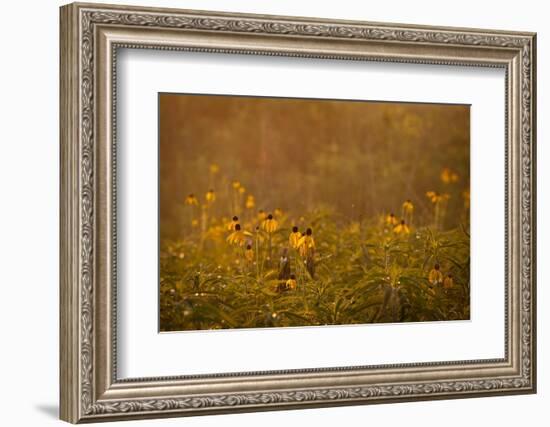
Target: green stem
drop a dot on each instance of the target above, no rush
(269, 250)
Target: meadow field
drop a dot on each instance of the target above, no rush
(279, 213)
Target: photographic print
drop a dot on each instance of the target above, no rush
(319, 212)
(285, 212)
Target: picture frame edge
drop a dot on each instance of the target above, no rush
(79, 402)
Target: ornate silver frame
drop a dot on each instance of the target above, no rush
(90, 36)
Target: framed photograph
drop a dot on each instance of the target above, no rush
(265, 213)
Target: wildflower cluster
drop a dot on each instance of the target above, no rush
(243, 262)
(401, 226)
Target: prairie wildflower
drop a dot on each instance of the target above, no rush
(242, 190)
(250, 202)
(214, 168)
(448, 282)
(306, 244)
(408, 210)
(210, 196)
(294, 238)
(233, 223)
(291, 282)
(391, 219)
(194, 223)
(448, 176)
(236, 185)
(401, 228)
(278, 212)
(435, 277)
(270, 224)
(191, 200)
(249, 253)
(433, 196)
(237, 237)
(408, 207)
(439, 202)
(437, 197)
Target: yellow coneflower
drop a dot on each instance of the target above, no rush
(408, 210)
(433, 196)
(391, 219)
(214, 168)
(270, 224)
(448, 176)
(448, 282)
(191, 200)
(210, 196)
(294, 238)
(195, 223)
(250, 202)
(435, 277)
(261, 215)
(249, 253)
(278, 212)
(401, 228)
(242, 190)
(234, 221)
(408, 207)
(291, 283)
(238, 237)
(436, 197)
(236, 185)
(440, 204)
(306, 244)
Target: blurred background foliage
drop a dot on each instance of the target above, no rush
(337, 167)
